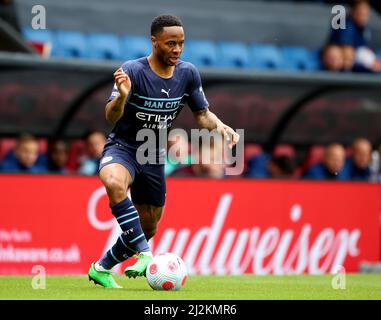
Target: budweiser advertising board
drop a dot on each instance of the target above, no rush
(217, 227)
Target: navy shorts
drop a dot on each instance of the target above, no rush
(148, 186)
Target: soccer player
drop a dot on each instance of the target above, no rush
(148, 92)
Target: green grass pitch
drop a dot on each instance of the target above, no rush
(247, 287)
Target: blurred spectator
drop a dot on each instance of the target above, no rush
(95, 141)
(377, 156)
(366, 61)
(349, 54)
(357, 166)
(332, 166)
(281, 167)
(266, 166)
(375, 164)
(23, 159)
(177, 154)
(208, 162)
(258, 166)
(56, 157)
(355, 39)
(332, 58)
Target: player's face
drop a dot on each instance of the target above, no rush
(168, 45)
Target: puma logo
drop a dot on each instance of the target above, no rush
(166, 92)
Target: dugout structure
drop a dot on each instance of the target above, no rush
(67, 97)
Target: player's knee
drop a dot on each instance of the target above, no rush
(114, 184)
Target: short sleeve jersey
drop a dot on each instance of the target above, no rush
(155, 102)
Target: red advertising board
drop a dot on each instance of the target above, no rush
(217, 227)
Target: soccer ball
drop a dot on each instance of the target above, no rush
(166, 271)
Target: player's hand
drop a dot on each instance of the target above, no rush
(123, 82)
(229, 134)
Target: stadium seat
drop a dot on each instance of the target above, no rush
(202, 53)
(314, 155)
(284, 150)
(71, 44)
(233, 54)
(251, 150)
(37, 35)
(378, 53)
(76, 151)
(43, 145)
(298, 58)
(6, 145)
(265, 56)
(134, 47)
(104, 46)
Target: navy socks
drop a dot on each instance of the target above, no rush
(131, 241)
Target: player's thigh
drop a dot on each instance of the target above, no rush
(117, 167)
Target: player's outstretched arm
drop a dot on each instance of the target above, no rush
(207, 119)
(115, 108)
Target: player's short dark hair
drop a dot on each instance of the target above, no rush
(164, 20)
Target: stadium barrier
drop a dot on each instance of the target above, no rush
(230, 226)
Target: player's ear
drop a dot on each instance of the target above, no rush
(154, 41)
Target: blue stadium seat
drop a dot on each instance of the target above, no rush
(104, 46)
(378, 53)
(315, 63)
(265, 56)
(37, 35)
(72, 44)
(298, 58)
(233, 54)
(202, 53)
(134, 47)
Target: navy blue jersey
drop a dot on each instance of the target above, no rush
(155, 102)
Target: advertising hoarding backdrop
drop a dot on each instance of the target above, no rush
(217, 227)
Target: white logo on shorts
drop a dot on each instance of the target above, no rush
(106, 159)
